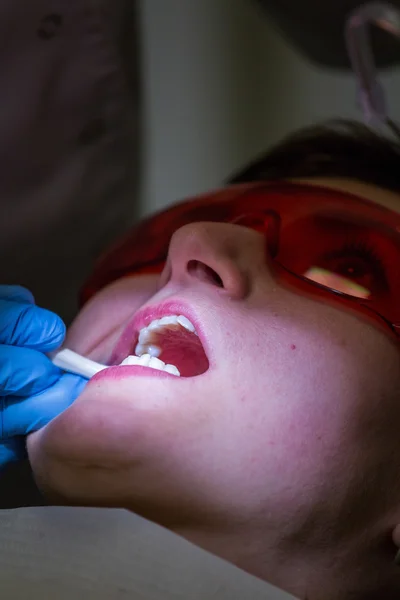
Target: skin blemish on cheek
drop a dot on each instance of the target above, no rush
(293, 347)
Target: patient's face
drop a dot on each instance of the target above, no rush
(295, 407)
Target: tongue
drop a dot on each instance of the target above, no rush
(184, 350)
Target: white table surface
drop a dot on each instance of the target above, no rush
(100, 554)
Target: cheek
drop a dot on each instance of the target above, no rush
(297, 409)
(312, 417)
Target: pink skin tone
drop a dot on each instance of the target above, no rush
(272, 459)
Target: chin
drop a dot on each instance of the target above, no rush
(42, 468)
(50, 474)
(65, 481)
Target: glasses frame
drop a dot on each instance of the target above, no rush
(264, 200)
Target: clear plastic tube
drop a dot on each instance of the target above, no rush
(75, 363)
(371, 94)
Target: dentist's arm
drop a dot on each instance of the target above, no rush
(32, 390)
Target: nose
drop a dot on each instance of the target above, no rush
(218, 255)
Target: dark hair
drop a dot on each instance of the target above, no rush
(336, 149)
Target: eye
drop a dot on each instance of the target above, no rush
(337, 282)
(355, 269)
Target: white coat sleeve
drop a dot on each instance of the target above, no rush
(68, 135)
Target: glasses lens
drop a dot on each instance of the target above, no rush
(351, 258)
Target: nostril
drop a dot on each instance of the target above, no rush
(204, 273)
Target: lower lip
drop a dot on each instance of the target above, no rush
(118, 373)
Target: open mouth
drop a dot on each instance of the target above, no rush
(169, 344)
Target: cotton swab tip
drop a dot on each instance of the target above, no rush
(70, 361)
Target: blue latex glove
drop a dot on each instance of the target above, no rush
(32, 390)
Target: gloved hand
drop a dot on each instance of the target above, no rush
(32, 390)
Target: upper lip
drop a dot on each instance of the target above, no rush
(128, 339)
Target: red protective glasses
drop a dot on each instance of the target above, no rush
(321, 242)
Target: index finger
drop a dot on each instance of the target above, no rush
(23, 324)
(16, 293)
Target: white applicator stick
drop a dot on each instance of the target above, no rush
(75, 363)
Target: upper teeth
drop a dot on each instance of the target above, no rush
(146, 334)
(147, 353)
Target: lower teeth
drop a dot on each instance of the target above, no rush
(151, 349)
(150, 361)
